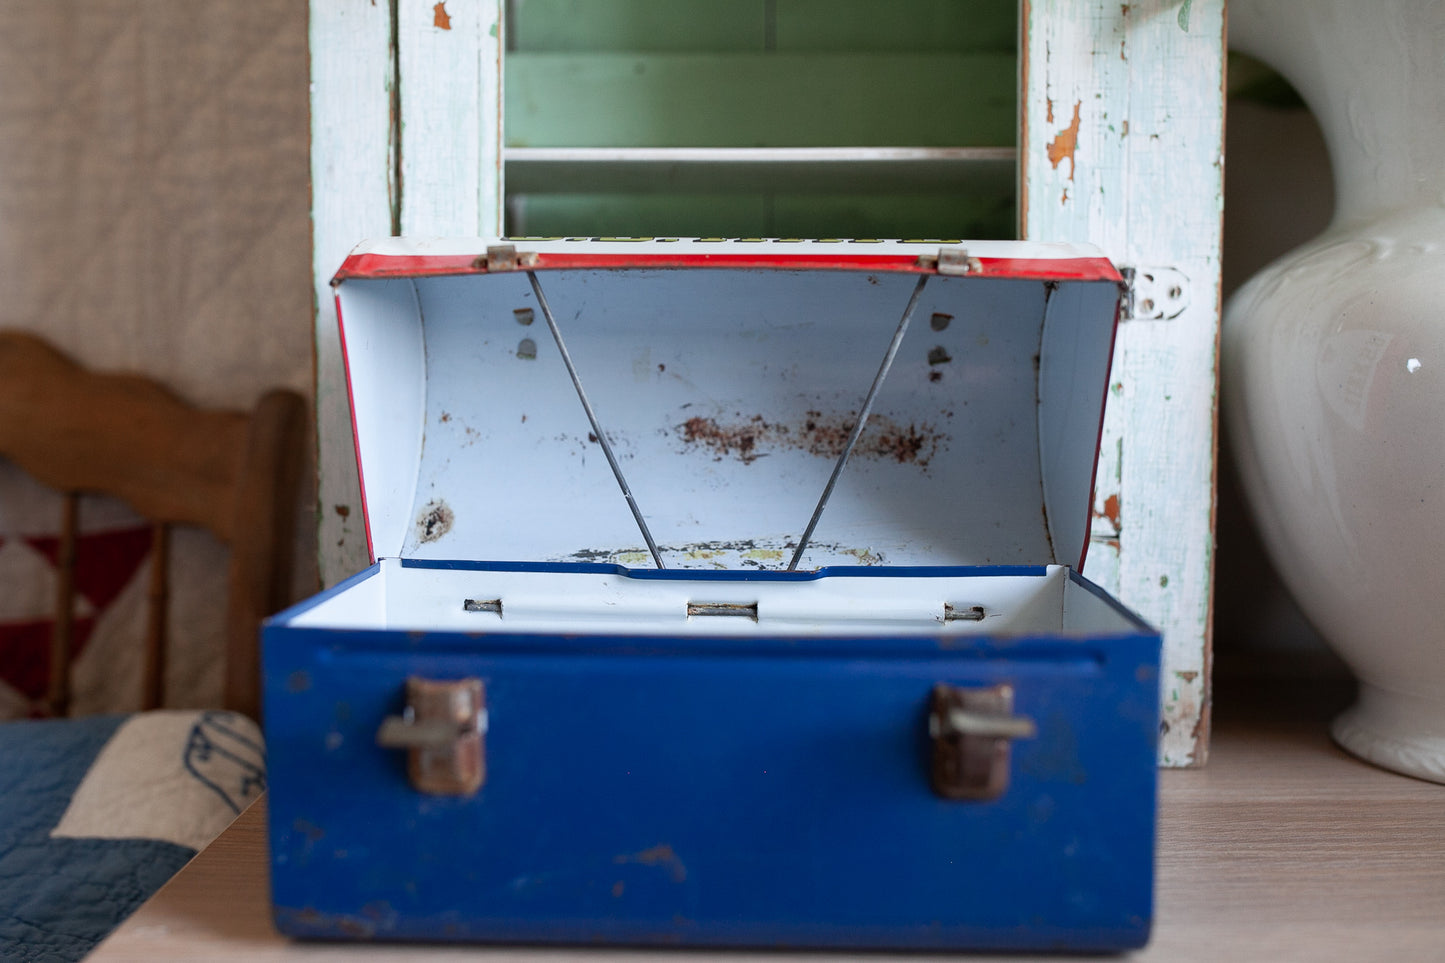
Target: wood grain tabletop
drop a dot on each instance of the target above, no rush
(1281, 848)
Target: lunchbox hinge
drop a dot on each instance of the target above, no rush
(442, 729)
(505, 257)
(1153, 293)
(955, 261)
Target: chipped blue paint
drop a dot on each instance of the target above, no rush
(757, 792)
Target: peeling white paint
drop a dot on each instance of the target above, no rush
(350, 199)
(449, 98)
(1153, 197)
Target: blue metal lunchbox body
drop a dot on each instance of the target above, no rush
(714, 791)
(933, 734)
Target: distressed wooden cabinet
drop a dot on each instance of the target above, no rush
(1119, 144)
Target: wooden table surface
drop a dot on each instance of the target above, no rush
(1282, 848)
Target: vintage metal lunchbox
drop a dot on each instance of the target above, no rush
(725, 593)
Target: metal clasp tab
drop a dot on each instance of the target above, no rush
(441, 729)
(971, 731)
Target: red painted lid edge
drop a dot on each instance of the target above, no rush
(374, 266)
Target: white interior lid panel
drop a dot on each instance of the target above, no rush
(727, 394)
(1074, 358)
(507, 470)
(387, 377)
(951, 473)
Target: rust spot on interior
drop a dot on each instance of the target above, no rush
(434, 522)
(740, 439)
(446, 416)
(659, 855)
(1049, 109)
(826, 437)
(935, 376)
(440, 18)
(1063, 145)
(1188, 675)
(343, 510)
(939, 355)
(748, 553)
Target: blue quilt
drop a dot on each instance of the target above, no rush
(87, 833)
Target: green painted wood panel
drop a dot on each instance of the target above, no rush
(763, 73)
(802, 216)
(903, 26)
(917, 26)
(760, 100)
(591, 26)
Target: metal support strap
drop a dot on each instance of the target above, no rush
(861, 422)
(592, 417)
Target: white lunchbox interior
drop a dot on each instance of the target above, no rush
(413, 599)
(726, 393)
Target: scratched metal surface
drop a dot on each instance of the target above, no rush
(752, 792)
(727, 396)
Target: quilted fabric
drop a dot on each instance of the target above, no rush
(60, 895)
(154, 202)
(154, 189)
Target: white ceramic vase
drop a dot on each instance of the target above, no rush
(1334, 365)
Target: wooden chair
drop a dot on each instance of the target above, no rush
(232, 473)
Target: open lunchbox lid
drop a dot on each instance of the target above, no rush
(728, 378)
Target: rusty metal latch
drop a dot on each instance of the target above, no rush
(972, 731)
(442, 730)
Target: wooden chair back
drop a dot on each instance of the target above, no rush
(232, 473)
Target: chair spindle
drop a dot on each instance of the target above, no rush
(157, 612)
(57, 702)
